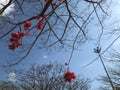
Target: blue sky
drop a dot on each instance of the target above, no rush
(80, 57)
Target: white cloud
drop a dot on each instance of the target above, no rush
(45, 56)
(9, 9)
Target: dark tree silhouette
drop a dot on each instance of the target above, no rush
(48, 77)
(4, 85)
(114, 72)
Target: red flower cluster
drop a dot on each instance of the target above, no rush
(27, 24)
(37, 17)
(53, 4)
(15, 40)
(40, 23)
(69, 76)
(15, 37)
(61, 0)
(46, 0)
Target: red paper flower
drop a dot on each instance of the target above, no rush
(38, 17)
(20, 34)
(46, 0)
(44, 15)
(53, 4)
(15, 35)
(27, 24)
(61, 0)
(15, 40)
(18, 44)
(69, 76)
(12, 47)
(40, 24)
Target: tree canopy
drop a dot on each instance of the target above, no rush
(57, 25)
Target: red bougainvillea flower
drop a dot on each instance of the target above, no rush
(54, 4)
(18, 44)
(61, 0)
(27, 24)
(69, 76)
(12, 47)
(37, 17)
(40, 24)
(46, 0)
(15, 40)
(15, 35)
(44, 15)
(20, 34)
